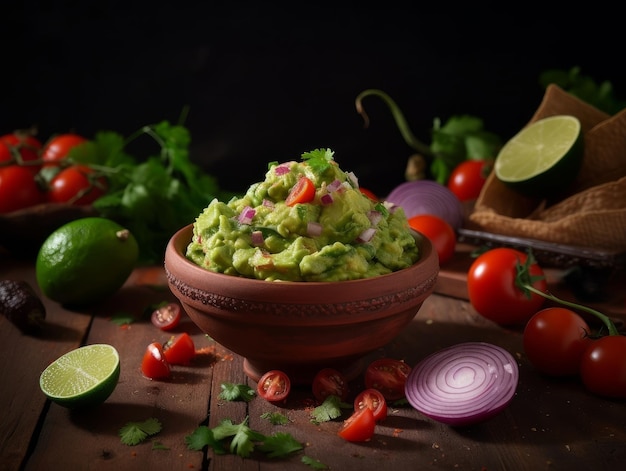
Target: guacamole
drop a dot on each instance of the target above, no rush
(307, 221)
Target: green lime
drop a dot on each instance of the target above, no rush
(83, 377)
(85, 261)
(544, 158)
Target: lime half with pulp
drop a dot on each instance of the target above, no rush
(83, 377)
(544, 158)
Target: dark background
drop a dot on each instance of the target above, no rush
(264, 83)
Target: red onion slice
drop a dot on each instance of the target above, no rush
(428, 197)
(463, 384)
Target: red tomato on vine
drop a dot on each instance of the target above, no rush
(493, 289)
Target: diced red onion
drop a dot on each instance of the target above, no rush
(267, 203)
(246, 215)
(257, 238)
(333, 186)
(326, 198)
(353, 178)
(281, 169)
(367, 235)
(314, 229)
(463, 384)
(374, 216)
(428, 197)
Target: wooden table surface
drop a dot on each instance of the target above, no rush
(550, 424)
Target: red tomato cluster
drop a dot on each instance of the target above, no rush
(557, 341)
(158, 358)
(384, 381)
(32, 173)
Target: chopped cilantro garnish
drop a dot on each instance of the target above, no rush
(275, 418)
(318, 159)
(313, 463)
(134, 433)
(236, 392)
(328, 410)
(243, 440)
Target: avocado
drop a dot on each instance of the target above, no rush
(20, 304)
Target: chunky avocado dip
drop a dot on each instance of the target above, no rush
(307, 221)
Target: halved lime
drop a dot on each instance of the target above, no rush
(543, 158)
(83, 377)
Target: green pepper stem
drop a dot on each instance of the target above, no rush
(398, 116)
(604, 318)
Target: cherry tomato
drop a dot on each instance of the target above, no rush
(78, 185)
(603, 367)
(179, 350)
(274, 386)
(555, 339)
(373, 399)
(166, 317)
(26, 145)
(330, 382)
(154, 365)
(369, 193)
(359, 427)
(438, 231)
(492, 290)
(18, 189)
(302, 192)
(388, 376)
(468, 178)
(57, 148)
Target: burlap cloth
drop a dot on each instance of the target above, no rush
(592, 213)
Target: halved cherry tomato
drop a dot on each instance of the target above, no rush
(330, 382)
(388, 376)
(179, 350)
(154, 365)
(359, 427)
(166, 317)
(274, 386)
(468, 178)
(78, 185)
(302, 192)
(369, 193)
(603, 367)
(18, 189)
(373, 399)
(492, 289)
(555, 339)
(20, 146)
(57, 148)
(438, 231)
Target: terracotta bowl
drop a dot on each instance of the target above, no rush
(299, 327)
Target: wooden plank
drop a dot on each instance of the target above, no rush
(89, 439)
(23, 359)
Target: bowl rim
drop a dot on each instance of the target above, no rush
(177, 243)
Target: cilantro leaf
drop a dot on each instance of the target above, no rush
(203, 436)
(275, 418)
(122, 318)
(313, 463)
(134, 433)
(236, 392)
(328, 410)
(318, 159)
(279, 445)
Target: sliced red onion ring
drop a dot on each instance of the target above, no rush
(428, 197)
(463, 384)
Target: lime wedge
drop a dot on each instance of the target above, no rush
(544, 158)
(83, 377)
